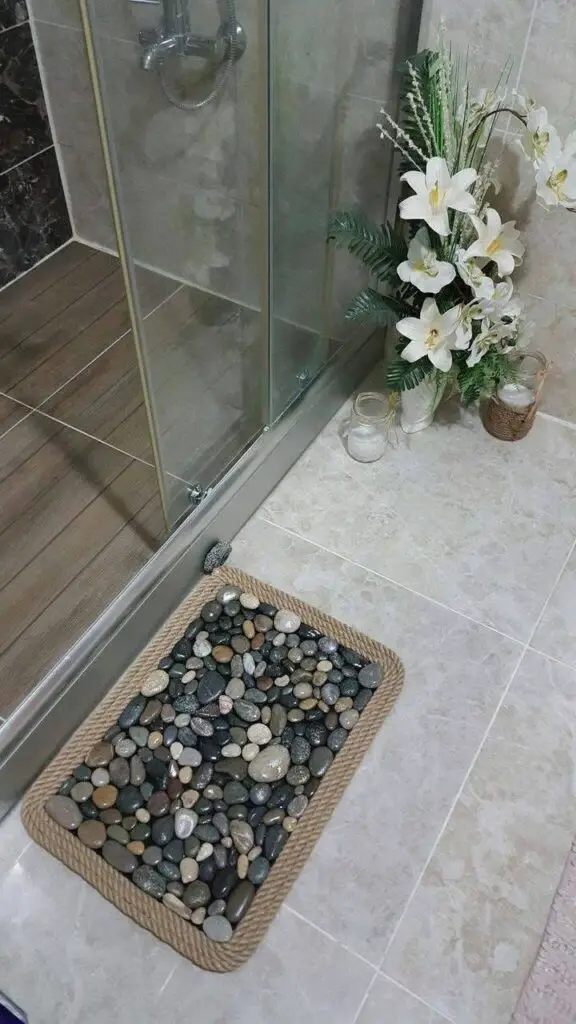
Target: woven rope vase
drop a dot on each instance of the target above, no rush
(506, 423)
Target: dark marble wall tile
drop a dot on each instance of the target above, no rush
(12, 12)
(24, 128)
(33, 215)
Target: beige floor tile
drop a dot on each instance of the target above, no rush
(556, 634)
(473, 928)
(399, 799)
(389, 1004)
(451, 513)
(297, 976)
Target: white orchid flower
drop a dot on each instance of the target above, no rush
(556, 177)
(472, 275)
(490, 336)
(436, 192)
(423, 269)
(540, 139)
(497, 241)
(500, 305)
(432, 335)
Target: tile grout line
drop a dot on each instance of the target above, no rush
(365, 997)
(526, 43)
(395, 583)
(327, 935)
(27, 160)
(429, 1006)
(551, 657)
(551, 594)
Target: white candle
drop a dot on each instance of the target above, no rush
(366, 443)
(517, 395)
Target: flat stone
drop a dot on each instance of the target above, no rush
(242, 835)
(298, 775)
(246, 710)
(100, 755)
(104, 797)
(235, 689)
(278, 720)
(217, 928)
(259, 870)
(175, 904)
(125, 747)
(152, 855)
(162, 831)
(300, 750)
(129, 799)
(210, 687)
(270, 765)
(190, 757)
(197, 894)
(249, 601)
(239, 901)
(137, 771)
(250, 751)
(348, 719)
(320, 760)
(155, 682)
(81, 791)
(158, 804)
(235, 793)
(370, 676)
(260, 793)
(286, 621)
(259, 733)
(201, 726)
(119, 834)
(119, 857)
(274, 842)
(119, 772)
(147, 879)
(297, 806)
(132, 711)
(92, 834)
(189, 869)
(228, 593)
(139, 733)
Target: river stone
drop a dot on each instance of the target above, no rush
(152, 855)
(210, 687)
(297, 806)
(175, 904)
(162, 831)
(202, 648)
(129, 799)
(300, 750)
(119, 772)
(274, 842)
(81, 791)
(196, 895)
(249, 601)
(137, 771)
(278, 720)
(169, 871)
(147, 879)
(243, 836)
(260, 793)
(158, 804)
(239, 901)
(235, 793)
(370, 676)
(247, 711)
(190, 757)
(100, 755)
(320, 760)
(118, 834)
(139, 733)
(132, 711)
(349, 718)
(220, 821)
(207, 833)
(337, 739)
(119, 857)
(217, 928)
(228, 593)
(105, 797)
(270, 765)
(204, 775)
(274, 816)
(259, 733)
(125, 747)
(298, 775)
(155, 682)
(189, 869)
(286, 621)
(92, 834)
(231, 750)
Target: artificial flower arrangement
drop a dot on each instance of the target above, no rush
(445, 273)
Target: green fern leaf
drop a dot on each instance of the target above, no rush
(369, 306)
(380, 248)
(403, 376)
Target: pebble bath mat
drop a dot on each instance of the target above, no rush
(193, 795)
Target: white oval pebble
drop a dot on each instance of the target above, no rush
(100, 777)
(141, 814)
(202, 648)
(185, 775)
(189, 797)
(254, 852)
(185, 822)
(231, 750)
(324, 666)
(279, 640)
(198, 915)
(242, 866)
(286, 621)
(249, 751)
(155, 683)
(235, 689)
(155, 740)
(282, 681)
(205, 851)
(225, 704)
(173, 903)
(249, 601)
(249, 663)
(176, 749)
(125, 747)
(190, 757)
(189, 870)
(188, 676)
(259, 734)
(182, 720)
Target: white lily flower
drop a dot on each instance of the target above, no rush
(432, 335)
(436, 192)
(490, 336)
(423, 269)
(540, 139)
(464, 328)
(472, 275)
(497, 241)
(556, 177)
(500, 305)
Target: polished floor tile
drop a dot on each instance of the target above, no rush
(387, 1003)
(471, 933)
(451, 513)
(398, 800)
(556, 633)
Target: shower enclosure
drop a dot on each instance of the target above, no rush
(229, 130)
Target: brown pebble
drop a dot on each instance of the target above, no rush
(100, 755)
(240, 644)
(308, 703)
(222, 654)
(174, 788)
(263, 623)
(158, 804)
(343, 704)
(265, 683)
(249, 629)
(136, 848)
(189, 798)
(104, 796)
(92, 834)
(111, 816)
(129, 822)
(258, 641)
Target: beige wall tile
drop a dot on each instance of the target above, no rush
(474, 926)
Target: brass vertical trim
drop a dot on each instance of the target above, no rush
(123, 253)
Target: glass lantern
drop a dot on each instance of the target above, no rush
(369, 427)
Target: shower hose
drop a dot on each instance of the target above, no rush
(222, 74)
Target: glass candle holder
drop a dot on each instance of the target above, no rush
(532, 369)
(367, 437)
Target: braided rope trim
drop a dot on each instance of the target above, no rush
(184, 937)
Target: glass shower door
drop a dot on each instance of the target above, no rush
(184, 120)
